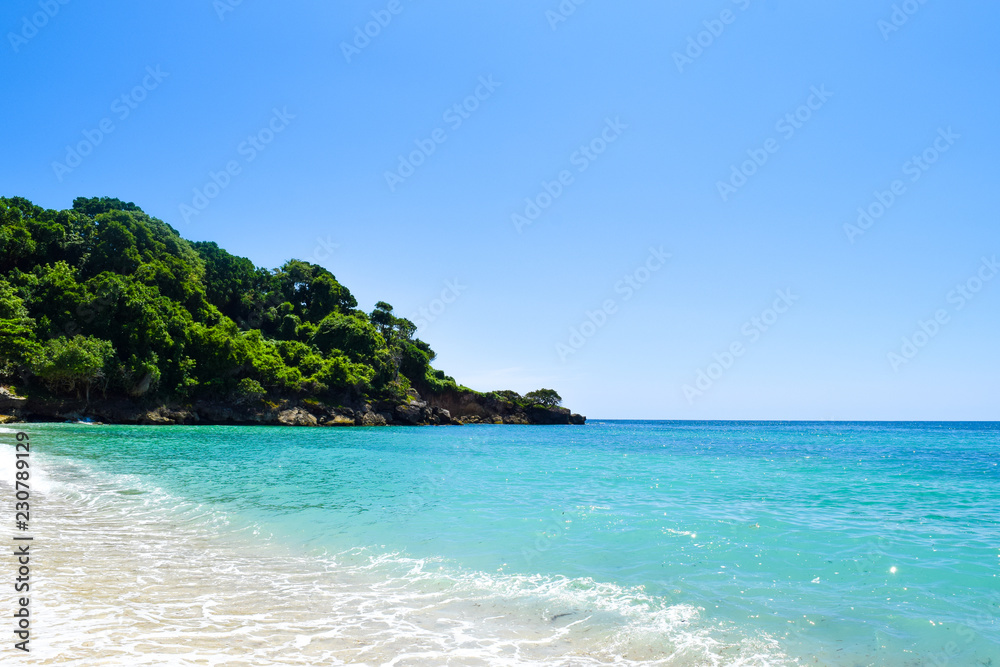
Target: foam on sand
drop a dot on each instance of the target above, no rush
(130, 575)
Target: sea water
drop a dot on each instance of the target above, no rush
(618, 542)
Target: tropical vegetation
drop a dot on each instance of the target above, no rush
(105, 298)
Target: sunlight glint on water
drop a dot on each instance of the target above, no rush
(637, 542)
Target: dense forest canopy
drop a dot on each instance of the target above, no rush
(104, 297)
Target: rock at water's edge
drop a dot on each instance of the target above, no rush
(297, 417)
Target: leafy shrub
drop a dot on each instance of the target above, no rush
(248, 391)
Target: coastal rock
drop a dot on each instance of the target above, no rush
(517, 418)
(442, 417)
(216, 413)
(470, 408)
(182, 416)
(142, 386)
(370, 418)
(155, 417)
(340, 420)
(439, 409)
(10, 401)
(339, 416)
(409, 414)
(163, 416)
(297, 417)
(540, 415)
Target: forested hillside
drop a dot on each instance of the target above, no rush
(105, 300)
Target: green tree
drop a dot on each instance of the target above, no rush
(17, 247)
(234, 285)
(94, 206)
(312, 290)
(69, 364)
(547, 398)
(18, 343)
(383, 318)
(351, 334)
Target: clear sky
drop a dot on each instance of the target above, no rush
(673, 166)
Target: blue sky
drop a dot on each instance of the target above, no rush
(618, 121)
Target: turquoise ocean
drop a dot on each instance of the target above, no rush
(618, 542)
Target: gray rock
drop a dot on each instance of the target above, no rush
(340, 420)
(296, 417)
(9, 401)
(409, 414)
(370, 418)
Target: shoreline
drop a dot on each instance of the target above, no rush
(482, 547)
(455, 409)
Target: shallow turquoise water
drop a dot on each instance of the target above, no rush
(759, 543)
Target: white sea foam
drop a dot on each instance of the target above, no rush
(39, 479)
(130, 575)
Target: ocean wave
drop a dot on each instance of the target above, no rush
(143, 577)
(602, 622)
(40, 481)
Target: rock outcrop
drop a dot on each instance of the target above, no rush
(10, 401)
(471, 408)
(297, 417)
(11, 406)
(448, 408)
